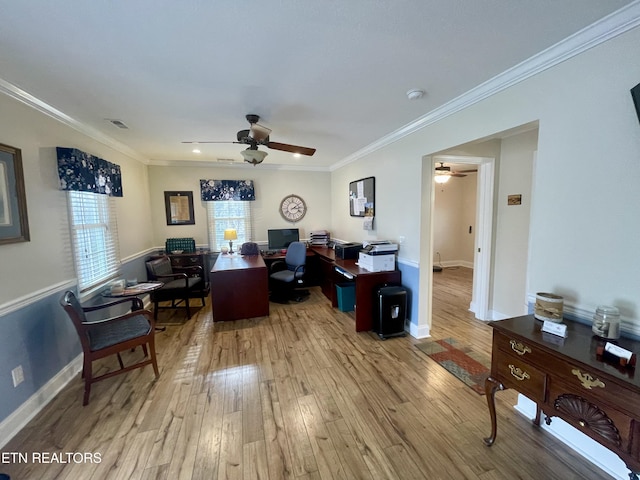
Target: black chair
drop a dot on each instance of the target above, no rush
(249, 248)
(102, 338)
(286, 276)
(180, 284)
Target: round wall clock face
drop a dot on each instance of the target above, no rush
(293, 208)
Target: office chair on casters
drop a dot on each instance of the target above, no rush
(288, 275)
(102, 338)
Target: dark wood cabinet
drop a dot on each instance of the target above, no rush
(568, 379)
(366, 284)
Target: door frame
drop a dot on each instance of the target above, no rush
(484, 231)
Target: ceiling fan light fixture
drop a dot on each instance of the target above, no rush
(442, 173)
(253, 156)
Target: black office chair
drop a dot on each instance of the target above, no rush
(249, 248)
(288, 275)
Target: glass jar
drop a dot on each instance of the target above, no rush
(606, 322)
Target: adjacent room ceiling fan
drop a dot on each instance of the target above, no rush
(442, 173)
(258, 135)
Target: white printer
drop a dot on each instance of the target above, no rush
(378, 256)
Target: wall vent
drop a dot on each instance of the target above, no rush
(118, 123)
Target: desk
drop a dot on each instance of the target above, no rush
(366, 283)
(239, 287)
(566, 379)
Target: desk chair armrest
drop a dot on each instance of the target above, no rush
(189, 269)
(277, 266)
(136, 304)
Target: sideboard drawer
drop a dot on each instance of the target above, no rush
(512, 372)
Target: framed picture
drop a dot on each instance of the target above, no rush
(14, 225)
(179, 208)
(362, 197)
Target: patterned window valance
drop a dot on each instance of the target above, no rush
(82, 172)
(223, 190)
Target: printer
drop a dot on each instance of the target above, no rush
(378, 256)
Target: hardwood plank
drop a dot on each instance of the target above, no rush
(296, 395)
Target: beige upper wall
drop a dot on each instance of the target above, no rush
(271, 187)
(47, 259)
(584, 230)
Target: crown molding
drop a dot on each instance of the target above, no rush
(238, 165)
(20, 95)
(611, 26)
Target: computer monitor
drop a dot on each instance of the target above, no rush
(281, 238)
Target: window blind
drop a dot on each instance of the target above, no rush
(94, 235)
(228, 214)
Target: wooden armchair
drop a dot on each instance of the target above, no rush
(180, 284)
(102, 338)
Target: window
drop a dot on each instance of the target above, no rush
(228, 214)
(94, 235)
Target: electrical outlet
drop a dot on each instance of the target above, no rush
(18, 375)
(401, 239)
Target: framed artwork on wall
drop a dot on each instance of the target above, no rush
(362, 197)
(179, 208)
(14, 224)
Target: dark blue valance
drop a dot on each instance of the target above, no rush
(81, 172)
(223, 190)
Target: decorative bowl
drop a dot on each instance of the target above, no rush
(177, 252)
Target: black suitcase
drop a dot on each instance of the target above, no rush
(391, 311)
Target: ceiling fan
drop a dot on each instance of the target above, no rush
(258, 135)
(442, 173)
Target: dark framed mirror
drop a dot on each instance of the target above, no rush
(179, 208)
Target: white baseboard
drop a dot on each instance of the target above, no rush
(419, 331)
(15, 422)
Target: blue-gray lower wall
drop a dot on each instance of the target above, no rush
(41, 338)
(410, 280)
(38, 335)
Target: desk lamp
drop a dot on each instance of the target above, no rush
(231, 235)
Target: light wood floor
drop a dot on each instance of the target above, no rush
(297, 395)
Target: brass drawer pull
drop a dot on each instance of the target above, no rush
(587, 380)
(518, 374)
(519, 348)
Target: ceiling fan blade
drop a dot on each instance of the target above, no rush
(206, 141)
(285, 147)
(258, 132)
(467, 171)
(457, 174)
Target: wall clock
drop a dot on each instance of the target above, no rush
(293, 208)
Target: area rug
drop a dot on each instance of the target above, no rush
(454, 358)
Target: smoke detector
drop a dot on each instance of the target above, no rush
(415, 94)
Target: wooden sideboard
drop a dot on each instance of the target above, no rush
(567, 379)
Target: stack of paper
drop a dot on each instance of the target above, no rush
(319, 237)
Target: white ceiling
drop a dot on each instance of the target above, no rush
(332, 75)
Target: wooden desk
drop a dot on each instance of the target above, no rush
(567, 379)
(366, 283)
(239, 287)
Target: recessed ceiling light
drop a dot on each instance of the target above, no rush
(296, 155)
(196, 150)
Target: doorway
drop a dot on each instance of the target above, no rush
(480, 228)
